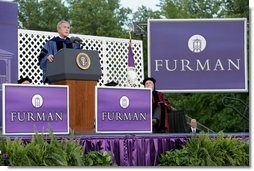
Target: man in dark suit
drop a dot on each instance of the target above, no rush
(193, 128)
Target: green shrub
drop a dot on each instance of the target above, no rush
(13, 152)
(46, 150)
(74, 152)
(174, 158)
(43, 153)
(3, 155)
(96, 158)
(202, 151)
(205, 151)
(233, 152)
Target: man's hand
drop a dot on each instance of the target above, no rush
(50, 58)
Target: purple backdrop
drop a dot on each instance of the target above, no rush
(19, 98)
(176, 67)
(108, 100)
(8, 45)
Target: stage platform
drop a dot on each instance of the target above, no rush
(134, 149)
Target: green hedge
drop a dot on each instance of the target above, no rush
(205, 151)
(46, 150)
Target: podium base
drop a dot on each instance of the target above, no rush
(84, 131)
(81, 105)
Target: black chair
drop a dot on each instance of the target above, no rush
(177, 122)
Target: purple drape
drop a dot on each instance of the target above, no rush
(131, 62)
(133, 150)
(136, 150)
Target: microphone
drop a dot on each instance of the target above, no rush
(76, 40)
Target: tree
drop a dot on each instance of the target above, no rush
(192, 9)
(98, 17)
(209, 110)
(205, 8)
(143, 13)
(237, 8)
(141, 16)
(41, 15)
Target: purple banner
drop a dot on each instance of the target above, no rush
(8, 46)
(29, 108)
(123, 110)
(198, 55)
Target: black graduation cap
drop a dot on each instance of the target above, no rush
(149, 78)
(21, 80)
(112, 83)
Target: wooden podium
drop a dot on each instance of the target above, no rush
(80, 70)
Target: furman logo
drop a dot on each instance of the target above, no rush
(197, 43)
(37, 101)
(124, 102)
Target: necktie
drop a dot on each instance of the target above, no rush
(194, 130)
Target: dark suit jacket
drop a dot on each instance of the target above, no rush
(190, 131)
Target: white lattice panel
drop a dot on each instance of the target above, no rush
(113, 53)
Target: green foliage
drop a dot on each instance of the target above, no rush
(202, 151)
(96, 158)
(204, 8)
(47, 150)
(97, 17)
(143, 13)
(14, 151)
(188, 9)
(233, 152)
(74, 151)
(174, 158)
(89, 17)
(237, 8)
(209, 110)
(41, 15)
(43, 153)
(205, 151)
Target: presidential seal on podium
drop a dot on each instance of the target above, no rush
(83, 61)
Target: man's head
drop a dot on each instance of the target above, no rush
(63, 28)
(25, 80)
(149, 83)
(193, 123)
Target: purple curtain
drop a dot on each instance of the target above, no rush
(133, 150)
(136, 150)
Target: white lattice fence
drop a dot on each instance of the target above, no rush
(113, 55)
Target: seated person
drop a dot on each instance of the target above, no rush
(52, 46)
(193, 128)
(25, 80)
(160, 108)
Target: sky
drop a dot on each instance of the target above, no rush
(134, 4)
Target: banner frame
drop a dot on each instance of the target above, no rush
(96, 109)
(31, 85)
(200, 20)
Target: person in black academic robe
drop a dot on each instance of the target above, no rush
(54, 45)
(160, 108)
